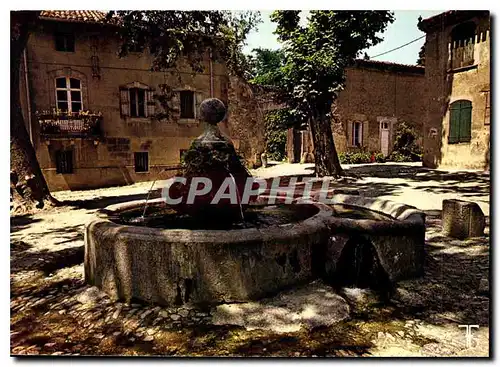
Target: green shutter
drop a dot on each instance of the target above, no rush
(465, 121)
(453, 136)
(460, 121)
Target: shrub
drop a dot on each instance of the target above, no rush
(354, 158)
(343, 158)
(380, 158)
(360, 157)
(398, 157)
(276, 124)
(405, 148)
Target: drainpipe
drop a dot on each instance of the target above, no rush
(28, 101)
(211, 76)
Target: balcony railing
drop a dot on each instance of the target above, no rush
(462, 55)
(82, 125)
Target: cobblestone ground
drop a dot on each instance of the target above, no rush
(54, 312)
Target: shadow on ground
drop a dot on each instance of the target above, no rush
(104, 201)
(22, 258)
(20, 222)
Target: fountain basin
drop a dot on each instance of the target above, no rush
(396, 231)
(175, 266)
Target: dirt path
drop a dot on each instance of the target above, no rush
(53, 311)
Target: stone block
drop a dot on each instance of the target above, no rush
(462, 219)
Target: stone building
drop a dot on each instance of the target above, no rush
(71, 63)
(457, 71)
(376, 97)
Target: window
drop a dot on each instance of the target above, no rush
(462, 45)
(357, 134)
(65, 42)
(69, 94)
(64, 161)
(137, 102)
(187, 105)
(460, 121)
(141, 161)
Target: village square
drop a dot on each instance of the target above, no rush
(367, 235)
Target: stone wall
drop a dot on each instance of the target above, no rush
(375, 93)
(444, 86)
(246, 120)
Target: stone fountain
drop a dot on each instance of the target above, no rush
(229, 252)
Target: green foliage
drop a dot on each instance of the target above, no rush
(354, 157)
(380, 158)
(360, 157)
(277, 123)
(170, 34)
(316, 55)
(421, 56)
(405, 147)
(265, 66)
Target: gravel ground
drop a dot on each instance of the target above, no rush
(54, 312)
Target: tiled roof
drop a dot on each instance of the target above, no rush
(390, 66)
(449, 17)
(79, 16)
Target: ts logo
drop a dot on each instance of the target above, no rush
(468, 333)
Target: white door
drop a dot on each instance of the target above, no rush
(384, 138)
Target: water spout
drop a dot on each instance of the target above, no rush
(143, 216)
(238, 198)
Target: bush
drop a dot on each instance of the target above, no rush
(354, 158)
(276, 125)
(405, 148)
(398, 157)
(380, 158)
(361, 157)
(342, 158)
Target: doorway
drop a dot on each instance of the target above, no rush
(384, 137)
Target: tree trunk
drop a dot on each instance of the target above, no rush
(325, 153)
(29, 189)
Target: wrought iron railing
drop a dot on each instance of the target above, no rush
(59, 124)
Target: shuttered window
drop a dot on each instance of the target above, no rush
(357, 134)
(187, 104)
(141, 161)
(137, 103)
(460, 121)
(64, 42)
(137, 100)
(64, 161)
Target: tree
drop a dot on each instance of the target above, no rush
(421, 56)
(171, 34)
(264, 65)
(28, 186)
(264, 70)
(315, 58)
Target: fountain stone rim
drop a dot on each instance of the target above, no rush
(105, 216)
